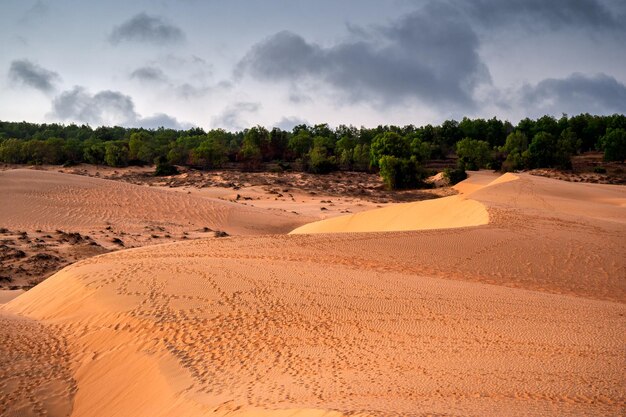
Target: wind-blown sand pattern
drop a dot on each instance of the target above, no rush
(524, 315)
(48, 200)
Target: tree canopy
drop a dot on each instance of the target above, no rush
(478, 143)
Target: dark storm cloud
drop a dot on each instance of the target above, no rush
(25, 72)
(430, 55)
(554, 14)
(578, 93)
(153, 74)
(231, 118)
(148, 29)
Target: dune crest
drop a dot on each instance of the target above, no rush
(442, 213)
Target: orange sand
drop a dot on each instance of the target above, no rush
(47, 200)
(525, 315)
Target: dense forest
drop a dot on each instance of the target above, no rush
(397, 153)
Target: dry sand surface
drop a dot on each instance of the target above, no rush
(523, 314)
(49, 220)
(46, 199)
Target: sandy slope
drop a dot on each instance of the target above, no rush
(352, 324)
(481, 194)
(48, 200)
(443, 213)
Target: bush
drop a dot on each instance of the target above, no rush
(614, 145)
(389, 144)
(401, 173)
(116, 154)
(320, 162)
(163, 167)
(455, 176)
(599, 170)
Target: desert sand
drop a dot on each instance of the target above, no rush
(518, 308)
(49, 220)
(46, 199)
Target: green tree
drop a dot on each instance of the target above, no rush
(566, 146)
(400, 173)
(473, 154)
(94, 151)
(320, 162)
(163, 167)
(542, 150)
(141, 147)
(256, 145)
(361, 157)
(54, 151)
(209, 154)
(390, 144)
(34, 151)
(116, 153)
(180, 150)
(420, 150)
(514, 148)
(11, 151)
(73, 150)
(454, 176)
(613, 143)
(278, 142)
(300, 143)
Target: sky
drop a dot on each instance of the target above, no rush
(235, 64)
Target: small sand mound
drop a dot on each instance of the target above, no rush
(442, 213)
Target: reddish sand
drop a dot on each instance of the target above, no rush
(48, 200)
(524, 315)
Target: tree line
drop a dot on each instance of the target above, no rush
(397, 153)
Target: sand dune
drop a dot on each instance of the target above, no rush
(481, 194)
(525, 315)
(443, 213)
(48, 200)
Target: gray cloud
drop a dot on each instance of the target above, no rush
(231, 118)
(161, 120)
(147, 29)
(430, 55)
(152, 74)
(189, 91)
(554, 14)
(36, 12)
(288, 123)
(106, 108)
(185, 90)
(25, 72)
(578, 93)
